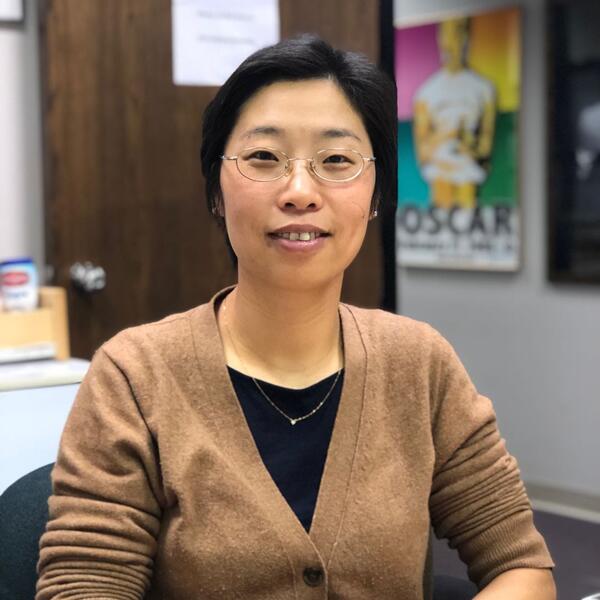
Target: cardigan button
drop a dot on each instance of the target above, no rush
(313, 576)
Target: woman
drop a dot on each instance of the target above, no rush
(275, 443)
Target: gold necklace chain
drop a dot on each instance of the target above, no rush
(264, 394)
(307, 415)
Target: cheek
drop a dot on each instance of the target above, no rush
(234, 198)
(231, 208)
(227, 190)
(237, 222)
(359, 202)
(241, 211)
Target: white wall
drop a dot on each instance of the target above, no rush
(533, 347)
(21, 215)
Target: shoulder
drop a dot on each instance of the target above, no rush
(411, 356)
(161, 344)
(384, 332)
(377, 320)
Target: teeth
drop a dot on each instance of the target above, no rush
(305, 236)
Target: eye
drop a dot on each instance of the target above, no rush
(261, 155)
(337, 159)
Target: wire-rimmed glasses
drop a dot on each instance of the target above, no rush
(331, 164)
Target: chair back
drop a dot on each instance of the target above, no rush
(23, 517)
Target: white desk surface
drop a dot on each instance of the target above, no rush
(41, 373)
(31, 423)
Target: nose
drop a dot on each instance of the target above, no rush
(302, 191)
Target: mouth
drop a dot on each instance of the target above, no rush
(298, 236)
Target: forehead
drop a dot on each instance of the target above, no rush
(311, 107)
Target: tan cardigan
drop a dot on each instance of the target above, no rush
(159, 490)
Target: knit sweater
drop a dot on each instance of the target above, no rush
(160, 492)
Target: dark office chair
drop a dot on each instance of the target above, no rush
(23, 516)
(452, 588)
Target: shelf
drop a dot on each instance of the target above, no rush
(44, 330)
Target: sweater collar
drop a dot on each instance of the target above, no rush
(236, 439)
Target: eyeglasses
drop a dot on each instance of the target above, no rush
(331, 164)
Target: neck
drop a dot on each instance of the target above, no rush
(287, 337)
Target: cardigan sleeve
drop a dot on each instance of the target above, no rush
(478, 500)
(105, 511)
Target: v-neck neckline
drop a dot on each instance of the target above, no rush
(235, 435)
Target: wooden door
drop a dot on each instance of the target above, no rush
(123, 188)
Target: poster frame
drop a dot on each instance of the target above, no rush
(435, 17)
(565, 264)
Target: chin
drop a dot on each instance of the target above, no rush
(301, 280)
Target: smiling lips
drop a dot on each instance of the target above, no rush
(294, 236)
(298, 233)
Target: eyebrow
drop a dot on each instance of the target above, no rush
(339, 133)
(331, 133)
(263, 130)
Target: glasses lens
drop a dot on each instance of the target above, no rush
(337, 164)
(261, 164)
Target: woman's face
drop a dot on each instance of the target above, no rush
(299, 119)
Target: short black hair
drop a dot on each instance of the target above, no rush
(370, 91)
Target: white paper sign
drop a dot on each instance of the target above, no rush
(11, 10)
(212, 37)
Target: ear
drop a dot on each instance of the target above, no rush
(374, 207)
(375, 201)
(218, 206)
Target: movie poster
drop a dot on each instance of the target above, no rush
(458, 103)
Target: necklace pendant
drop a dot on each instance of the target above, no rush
(293, 421)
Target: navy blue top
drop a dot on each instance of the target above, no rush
(294, 455)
